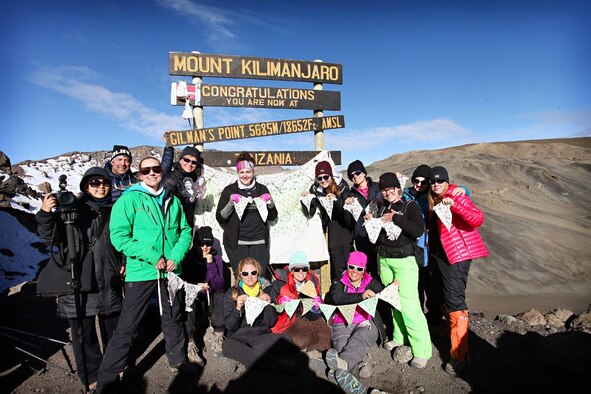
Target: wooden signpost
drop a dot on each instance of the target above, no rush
(252, 130)
(254, 96)
(225, 66)
(265, 158)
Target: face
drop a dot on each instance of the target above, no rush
(154, 176)
(353, 273)
(246, 175)
(98, 188)
(420, 183)
(323, 180)
(206, 249)
(249, 279)
(188, 163)
(120, 165)
(358, 177)
(439, 187)
(299, 273)
(391, 194)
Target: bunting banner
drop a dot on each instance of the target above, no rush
(392, 231)
(391, 296)
(253, 308)
(307, 304)
(327, 310)
(372, 208)
(174, 284)
(355, 208)
(373, 227)
(279, 307)
(444, 214)
(327, 205)
(369, 305)
(307, 200)
(262, 208)
(402, 181)
(240, 206)
(348, 312)
(308, 289)
(191, 292)
(291, 306)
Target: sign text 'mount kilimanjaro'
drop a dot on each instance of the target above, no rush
(225, 66)
(251, 130)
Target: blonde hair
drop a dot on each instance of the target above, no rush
(147, 158)
(241, 264)
(435, 199)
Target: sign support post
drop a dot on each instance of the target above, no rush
(318, 134)
(198, 111)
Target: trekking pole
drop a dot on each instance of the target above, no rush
(19, 340)
(159, 294)
(33, 335)
(44, 360)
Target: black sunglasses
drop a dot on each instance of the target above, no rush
(146, 170)
(189, 161)
(356, 173)
(298, 269)
(440, 181)
(420, 182)
(98, 182)
(353, 268)
(246, 273)
(207, 244)
(323, 178)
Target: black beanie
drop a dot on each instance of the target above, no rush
(439, 173)
(191, 151)
(388, 179)
(120, 150)
(205, 235)
(94, 172)
(423, 171)
(357, 165)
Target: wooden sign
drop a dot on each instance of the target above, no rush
(267, 158)
(252, 130)
(225, 66)
(254, 96)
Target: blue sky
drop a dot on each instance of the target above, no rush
(82, 75)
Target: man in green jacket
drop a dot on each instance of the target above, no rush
(149, 227)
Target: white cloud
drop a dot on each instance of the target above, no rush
(126, 110)
(425, 131)
(571, 122)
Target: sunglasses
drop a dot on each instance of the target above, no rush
(246, 273)
(207, 244)
(353, 268)
(440, 181)
(356, 173)
(420, 181)
(189, 161)
(300, 269)
(323, 178)
(155, 169)
(99, 182)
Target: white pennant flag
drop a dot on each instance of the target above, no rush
(444, 214)
(262, 208)
(402, 181)
(390, 295)
(369, 305)
(188, 111)
(253, 308)
(372, 208)
(327, 310)
(291, 306)
(373, 228)
(355, 208)
(392, 230)
(191, 292)
(327, 204)
(174, 284)
(240, 206)
(307, 200)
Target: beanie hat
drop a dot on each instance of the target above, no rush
(357, 165)
(358, 259)
(298, 259)
(388, 179)
(205, 236)
(323, 168)
(120, 150)
(191, 151)
(422, 171)
(92, 173)
(439, 173)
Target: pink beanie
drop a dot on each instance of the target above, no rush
(358, 259)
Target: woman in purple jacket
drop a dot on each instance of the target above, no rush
(204, 266)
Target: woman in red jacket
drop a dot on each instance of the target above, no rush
(451, 253)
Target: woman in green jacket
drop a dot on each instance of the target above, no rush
(149, 227)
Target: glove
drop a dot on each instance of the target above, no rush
(266, 197)
(235, 197)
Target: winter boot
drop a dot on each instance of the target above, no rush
(459, 335)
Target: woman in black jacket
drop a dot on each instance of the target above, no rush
(340, 224)
(246, 236)
(102, 293)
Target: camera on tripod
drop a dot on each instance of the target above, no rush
(65, 199)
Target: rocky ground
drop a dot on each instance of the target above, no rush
(522, 353)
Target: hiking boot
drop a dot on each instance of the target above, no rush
(418, 362)
(334, 362)
(365, 370)
(182, 368)
(349, 383)
(391, 345)
(217, 341)
(402, 354)
(454, 367)
(193, 354)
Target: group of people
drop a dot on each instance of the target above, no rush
(134, 229)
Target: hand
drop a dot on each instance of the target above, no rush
(204, 287)
(170, 266)
(161, 264)
(349, 200)
(368, 294)
(265, 297)
(447, 201)
(240, 301)
(208, 258)
(49, 202)
(304, 194)
(266, 197)
(122, 270)
(165, 136)
(367, 216)
(235, 197)
(387, 217)
(458, 191)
